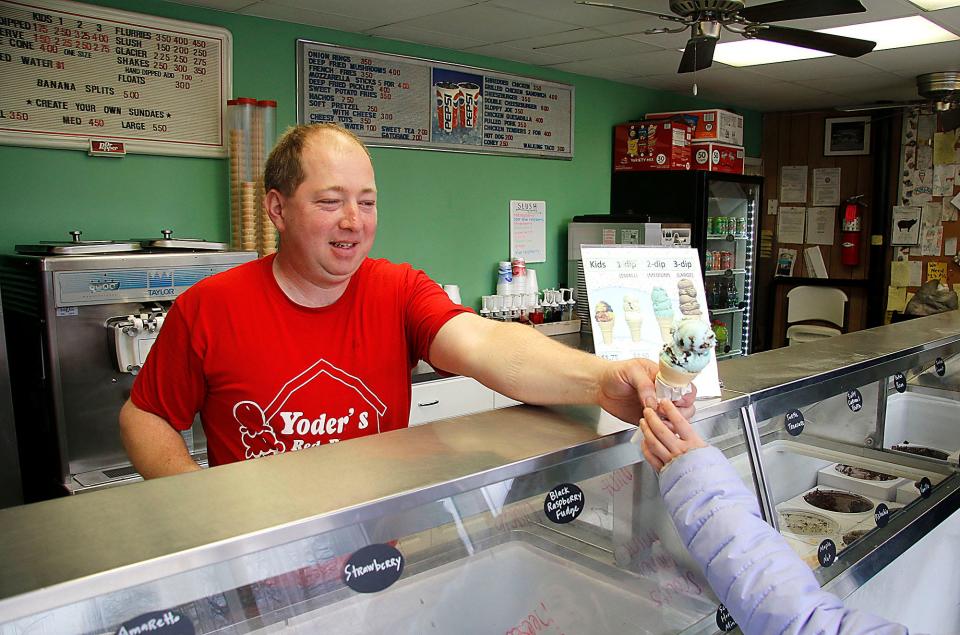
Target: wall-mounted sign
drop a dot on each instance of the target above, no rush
(408, 102)
(793, 422)
(563, 503)
(372, 568)
(72, 72)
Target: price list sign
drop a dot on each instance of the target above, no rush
(72, 73)
(398, 101)
(638, 296)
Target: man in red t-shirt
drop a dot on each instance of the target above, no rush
(316, 344)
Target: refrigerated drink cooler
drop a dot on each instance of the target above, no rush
(80, 319)
(722, 211)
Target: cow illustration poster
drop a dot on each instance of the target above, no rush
(905, 229)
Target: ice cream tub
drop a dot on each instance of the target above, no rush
(873, 483)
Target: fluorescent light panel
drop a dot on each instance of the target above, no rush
(888, 34)
(934, 5)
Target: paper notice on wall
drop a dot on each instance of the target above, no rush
(931, 240)
(943, 147)
(905, 229)
(901, 254)
(943, 179)
(910, 295)
(793, 184)
(926, 127)
(937, 271)
(930, 215)
(772, 206)
(916, 273)
(900, 273)
(820, 225)
(528, 230)
(896, 298)
(766, 243)
(786, 258)
(790, 224)
(947, 210)
(826, 186)
(955, 201)
(950, 247)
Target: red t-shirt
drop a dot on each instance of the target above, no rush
(268, 375)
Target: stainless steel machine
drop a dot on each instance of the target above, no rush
(10, 490)
(81, 317)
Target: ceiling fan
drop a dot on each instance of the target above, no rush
(940, 92)
(706, 18)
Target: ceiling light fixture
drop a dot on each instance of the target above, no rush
(888, 34)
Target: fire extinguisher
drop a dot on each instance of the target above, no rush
(850, 230)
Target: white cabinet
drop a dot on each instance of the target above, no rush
(445, 398)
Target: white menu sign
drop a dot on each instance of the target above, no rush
(636, 291)
(394, 100)
(74, 72)
(528, 230)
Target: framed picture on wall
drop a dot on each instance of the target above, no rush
(844, 136)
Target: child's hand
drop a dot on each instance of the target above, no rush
(661, 444)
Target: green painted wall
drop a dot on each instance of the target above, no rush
(445, 213)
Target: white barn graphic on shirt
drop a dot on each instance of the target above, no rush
(257, 432)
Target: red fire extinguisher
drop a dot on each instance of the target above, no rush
(850, 231)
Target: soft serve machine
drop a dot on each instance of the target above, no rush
(81, 317)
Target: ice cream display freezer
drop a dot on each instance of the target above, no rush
(519, 520)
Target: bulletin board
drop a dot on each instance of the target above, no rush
(74, 72)
(927, 207)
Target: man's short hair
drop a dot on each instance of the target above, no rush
(284, 169)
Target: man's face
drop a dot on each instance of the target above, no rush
(328, 225)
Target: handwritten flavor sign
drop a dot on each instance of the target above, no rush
(394, 100)
(638, 295)
(528, 230)
(74, 72)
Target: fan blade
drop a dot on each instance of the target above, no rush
(698, 55)
(836, 44)
(798, 9)
(950, 119)
(607, 5)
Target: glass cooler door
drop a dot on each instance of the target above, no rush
(729, 260)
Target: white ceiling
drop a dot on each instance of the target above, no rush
(610, 44)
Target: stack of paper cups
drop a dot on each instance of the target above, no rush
(532, 286)
(504, 278)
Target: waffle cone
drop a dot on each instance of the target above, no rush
(666, 328)
(635, 326)
(606, 330)
(674, 376)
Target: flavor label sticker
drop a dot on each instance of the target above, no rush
(160, 622)
(882, 515)
(793, 422)
(725, 621)
(940, 367)
(827, 553)
(925, 487)
(854, 400)
(900, 382)
(563, 503)
(372, 568)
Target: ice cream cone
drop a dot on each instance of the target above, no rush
(634, 326)
(666, 328)
(606, 330)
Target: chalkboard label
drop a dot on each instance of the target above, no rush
(159, 622)
(925, 487)
(793, 422)
(725, 621)
(882, 515)
(563, 503)
(940, 367)
(900, 382)
(373, 568)
(854, 400)
(827, 553)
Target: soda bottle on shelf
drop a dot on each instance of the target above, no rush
(733, 296)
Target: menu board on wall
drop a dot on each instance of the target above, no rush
(393, 100)
(74, 72)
